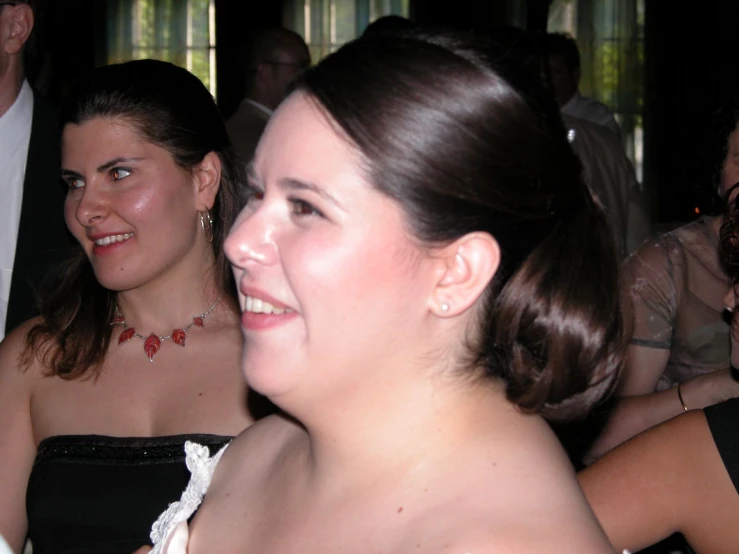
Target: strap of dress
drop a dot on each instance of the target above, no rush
(174, 518)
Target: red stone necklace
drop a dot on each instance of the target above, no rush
(153, 342)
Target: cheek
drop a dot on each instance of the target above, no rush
(154, 207)
(357, 281)
(146, 200)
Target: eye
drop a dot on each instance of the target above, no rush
(303, 208)
(74, 182)
(253, 193)
(119, 173)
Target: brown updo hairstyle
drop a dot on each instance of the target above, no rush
(465, 139)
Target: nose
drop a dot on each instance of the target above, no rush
(92, 207)
(251, 239)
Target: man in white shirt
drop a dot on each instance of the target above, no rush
(564, 68)
(273, 58)
(32, 229)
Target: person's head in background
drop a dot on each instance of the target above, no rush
(470, 150)
(715, 167)
(158, 171)
(725, 133)
(564, 65)
(389, 24)
(16, 26)
(273, 58)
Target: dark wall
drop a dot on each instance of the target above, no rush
(691, 62)
(69, 41)
(234, 21)
(466, 14)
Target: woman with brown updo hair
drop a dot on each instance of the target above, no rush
(424, 280)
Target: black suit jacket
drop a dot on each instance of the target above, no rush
(43, 238)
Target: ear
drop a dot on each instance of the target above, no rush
(207, 181)
(20, 25)
(466, 268)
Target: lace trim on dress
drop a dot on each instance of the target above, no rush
(172, 524)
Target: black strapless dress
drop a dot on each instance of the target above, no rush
(722, 421)
(93, 493)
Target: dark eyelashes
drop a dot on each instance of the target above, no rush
(253, 193)
(300, 207)
(304, 208)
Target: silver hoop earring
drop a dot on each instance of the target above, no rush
(206, 222)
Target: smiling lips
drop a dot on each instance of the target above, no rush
(260, 314)
(259, 306)
(112, 239)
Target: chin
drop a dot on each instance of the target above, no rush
(268, 377)
(116, 280)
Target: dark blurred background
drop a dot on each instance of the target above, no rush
(661, 66)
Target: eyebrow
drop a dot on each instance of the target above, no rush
(101, 168)
(289, 183)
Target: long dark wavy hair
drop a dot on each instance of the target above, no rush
(455, 129)
(729, 236)
(171, 108)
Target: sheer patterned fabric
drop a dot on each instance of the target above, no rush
(677, 287)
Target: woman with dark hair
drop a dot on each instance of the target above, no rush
(678, 357)
(683, 475)
(419, 234)
(137, 347)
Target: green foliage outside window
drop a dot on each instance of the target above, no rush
(177, 31)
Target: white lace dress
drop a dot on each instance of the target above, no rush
(169, 534)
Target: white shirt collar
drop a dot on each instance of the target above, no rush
(261, 107)
(15, 124)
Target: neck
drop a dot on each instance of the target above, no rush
(171, 301)
(395, 429)
(10, 87)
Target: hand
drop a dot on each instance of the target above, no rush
(143, 550)
(711, 388)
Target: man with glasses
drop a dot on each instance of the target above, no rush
(273, 58)
(32, 228)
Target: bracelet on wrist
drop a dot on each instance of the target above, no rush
(680, 397)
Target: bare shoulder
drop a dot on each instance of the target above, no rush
(17, 444)
(531, 540)
(13, 367)
(520, 495)
(268, 437)
(668, 478)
